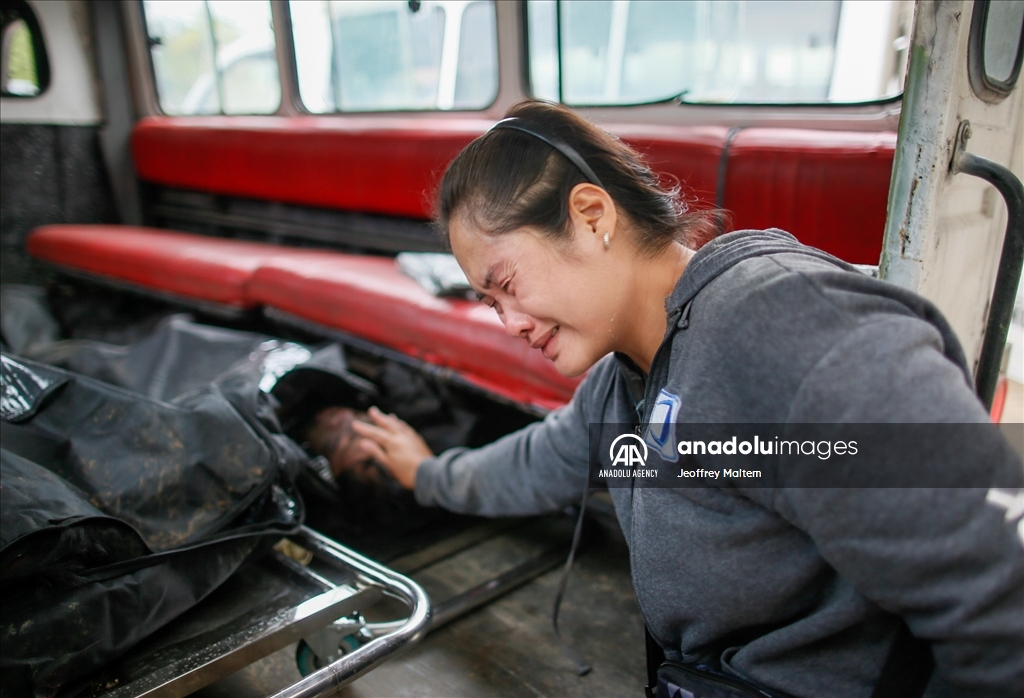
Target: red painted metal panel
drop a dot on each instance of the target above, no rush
(829, 189)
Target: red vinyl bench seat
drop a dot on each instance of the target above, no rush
(362, 296)
(193, 267)
(369, 297)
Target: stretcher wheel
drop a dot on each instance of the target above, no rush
(308, 661)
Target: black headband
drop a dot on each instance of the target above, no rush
(558, 144)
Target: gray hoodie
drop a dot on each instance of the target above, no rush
(799, 590)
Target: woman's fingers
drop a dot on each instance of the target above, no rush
(373, 450)
(393, 444)
(384, 420)
(388, 422)
(371, 431)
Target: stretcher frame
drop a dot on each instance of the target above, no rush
(366, 583)
(363, 583)
(369, 581)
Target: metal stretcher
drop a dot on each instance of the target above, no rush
(272, 603)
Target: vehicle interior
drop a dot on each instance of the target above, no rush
(193, 190)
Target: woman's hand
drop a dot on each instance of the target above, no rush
(394, 444)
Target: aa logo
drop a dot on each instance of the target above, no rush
(628, 450)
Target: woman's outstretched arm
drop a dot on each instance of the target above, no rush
(540, 468)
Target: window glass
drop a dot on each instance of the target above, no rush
(395, 55)
(184, 37)
(713, 51)
(543, 48)
(25, 71)
(1003, 32)
(476, 83)
(20, 76)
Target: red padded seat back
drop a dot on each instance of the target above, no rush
(828, 188)
(384, 165)
(689, 156)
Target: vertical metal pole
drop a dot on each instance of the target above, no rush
(216, 65)
(119, 111)
(335, 73)
(288, 71)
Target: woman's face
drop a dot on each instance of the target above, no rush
(565, 299)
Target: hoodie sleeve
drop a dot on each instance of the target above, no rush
(535, 470)
(949, 561)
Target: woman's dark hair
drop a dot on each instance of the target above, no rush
(507, 179)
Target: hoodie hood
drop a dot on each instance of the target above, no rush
(728, 250)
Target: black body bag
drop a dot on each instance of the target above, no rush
(120, 512)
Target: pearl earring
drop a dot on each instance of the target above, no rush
(607, 242)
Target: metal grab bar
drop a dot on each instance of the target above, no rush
(351, 666)
(1011, 260)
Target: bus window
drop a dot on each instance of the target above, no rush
(1002, 42)
(386, 56)
(996, 47)
(622, 52)
(185, 36)
(25, 70)
(476, 78)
